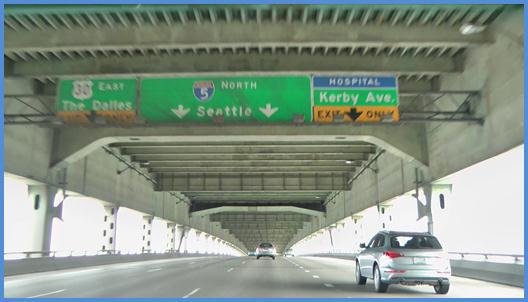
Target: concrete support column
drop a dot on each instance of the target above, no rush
(147, 233)
(224, 247)
(110, 229)
(198, 242)
(331, 230)
(206, 245)
(185, 240)
(41, 198)
(219, 246)
(357, 230)
(385, 216)
(180, 233)
(172, 239)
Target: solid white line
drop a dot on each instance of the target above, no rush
(306, 271)
(229, 270)
(153, 270)
(315, 276)
(47, 294)
(191, 293)
(328, 285)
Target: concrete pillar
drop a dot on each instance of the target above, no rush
(172, 239)
(385, 216)
(206, 244)
(110, 229)
(147, 233)
(184, 247)
(358, 236)
(219, 246)
(41, 197)
(198, 243)
(331, 229)
(180, 233)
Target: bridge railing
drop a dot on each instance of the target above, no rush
(488, 257)
(75, 253)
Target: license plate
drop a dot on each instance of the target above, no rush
(418, 260)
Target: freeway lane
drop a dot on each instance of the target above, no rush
(227, 277)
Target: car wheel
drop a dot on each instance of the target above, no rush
(273, 258)
(441, 288)
(379, 285)
(360, 280)
(258, 257)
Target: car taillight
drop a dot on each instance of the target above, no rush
(392, 254)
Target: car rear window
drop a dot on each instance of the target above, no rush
(266, 245)
(415, 242)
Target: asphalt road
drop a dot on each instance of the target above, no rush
(228, 277)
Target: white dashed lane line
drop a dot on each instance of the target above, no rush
(47, 294)
(306, 271)
(230, 270)
(315, 277)
(328, 285)
(191, 293)
(153, 270)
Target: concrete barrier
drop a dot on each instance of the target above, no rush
(502, 273)
(45, 264)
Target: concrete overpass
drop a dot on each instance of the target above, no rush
(459, 73)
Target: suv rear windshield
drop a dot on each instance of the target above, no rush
(266, 245)
(414, 242)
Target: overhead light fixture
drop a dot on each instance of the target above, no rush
(469, 29)
(349, 162)
(318, 197)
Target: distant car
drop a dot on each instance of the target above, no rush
(289, 253)
(266, 250)
(404, 258)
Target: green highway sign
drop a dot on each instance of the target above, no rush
(100, 95)
(231, 98)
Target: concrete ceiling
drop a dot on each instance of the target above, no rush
(418, 43)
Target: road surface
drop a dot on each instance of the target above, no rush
(214, 277)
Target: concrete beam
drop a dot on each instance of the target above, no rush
(191, 36)
(289, 209)
(405, 141)
(237, 181)
(187, 63)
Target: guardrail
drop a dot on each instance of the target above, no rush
(72, 253)
(43, 261)
(467, 256)
(488, 257)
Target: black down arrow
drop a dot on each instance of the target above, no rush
(354, 114)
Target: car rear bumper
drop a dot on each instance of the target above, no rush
(417, 281)
(416, 277)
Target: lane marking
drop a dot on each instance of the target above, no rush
(301, 267)
(191, 293)
(306, 271)
(328, 285)
(230, 270)
(153, 270)
(243, 262)
(47, 294)
(315, 277)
